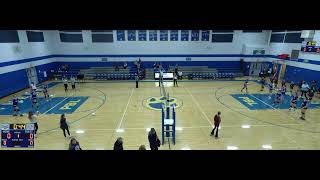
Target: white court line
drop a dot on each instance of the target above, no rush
(56, 105)
(194, 100)
(271, 106)
(192, 127)
(125, 109)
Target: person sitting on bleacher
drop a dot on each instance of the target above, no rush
(125, 65)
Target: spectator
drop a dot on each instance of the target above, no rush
(217, 121)
(142, 147)
(153, 139)
(118, 145)
(125, 65)
(117, 68)
(74, 145)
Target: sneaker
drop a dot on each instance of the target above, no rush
(302, 118)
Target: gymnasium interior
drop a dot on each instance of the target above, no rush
(124, 87)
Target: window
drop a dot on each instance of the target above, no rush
(102, 36)
(222, 31)
(252, 31)
(35, 36)
(71, 31)
(94, 31)
(293, 38)
(277, 38)
(9, 36)
(222, 37)
(71, 38)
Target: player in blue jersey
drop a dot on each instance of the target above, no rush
(270, 86)
(283, 92)
(15, 104)
(245, 86)
(277, 100)
(304, 107)
(45, 91)
(291, 87)
(293, 104)
(34, 99)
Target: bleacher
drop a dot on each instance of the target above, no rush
(107, 73)
(204, 72)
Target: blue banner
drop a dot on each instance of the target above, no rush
(174, 35)
(142, 35)
(184, 35)
(153, 35)
(195, 35)
(163, 35)
(121, 35)
(131, 35)
(205, 35)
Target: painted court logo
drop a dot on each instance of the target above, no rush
(156, 103)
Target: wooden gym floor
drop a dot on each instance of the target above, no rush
(119, 105)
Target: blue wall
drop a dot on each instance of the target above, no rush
(297, 74)
(13, 82)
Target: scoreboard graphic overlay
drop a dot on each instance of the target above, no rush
(17, 135)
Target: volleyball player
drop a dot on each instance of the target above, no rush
(263, 82)
(283, 92)
(291, 87)
(33, 87)
(270, 86)
(310, 94)
(245, 86)
(294, 101)
(34, 100)
(73, 83)
(15, 104)
(65, 83)
(304, 107)
(45, 91)
(277, 100)
(175, 80)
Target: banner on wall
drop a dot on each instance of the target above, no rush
(142, 35)
(163, 35)
(174, 35)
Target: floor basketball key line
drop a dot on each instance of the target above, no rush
(125, 111)
(269, 105)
